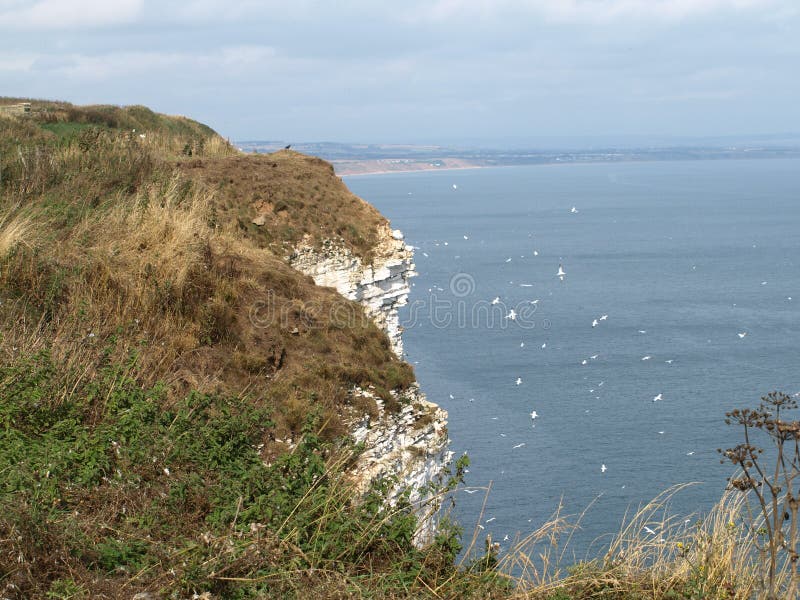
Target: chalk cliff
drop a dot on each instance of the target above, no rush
(410, 443)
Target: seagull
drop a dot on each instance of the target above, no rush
(534, 414)
(466, 237)
(657, 398)
(470, 491)
(425, 254)
(648, 530)
(741, 335)
(690, 453)
(573, 210)
(560, 273)
(648, 357)
(535, 301)
(496, 300)
(669, 362)
(455, 187)
(584, 361)
(536, 253)
(642, 331)
(603, 468)
(594, 356)
(594, 323)
(522, 344)
(490, 520)
(512, 315)
(604, 317)
(505, 539)
(518, 446)
(451, 397)
(519, 380)
(508, 259)
(660, 433)
(544, 345)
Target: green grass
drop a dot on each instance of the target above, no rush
(105, 484)
(65, 129)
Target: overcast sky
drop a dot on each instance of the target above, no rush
(419, 70)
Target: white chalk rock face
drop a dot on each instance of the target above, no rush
(410, 444)
(381, 287)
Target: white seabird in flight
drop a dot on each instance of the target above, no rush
(561, 272)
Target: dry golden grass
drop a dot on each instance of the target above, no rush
(709, 557)
(298, 199)
(16, 230)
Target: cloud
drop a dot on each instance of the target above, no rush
(16, 62)
(595, 11)
(67, 14)
(230, 60)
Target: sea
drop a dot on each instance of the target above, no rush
(592, 395)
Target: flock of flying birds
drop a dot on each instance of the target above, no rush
(512, 315)
(561, 274)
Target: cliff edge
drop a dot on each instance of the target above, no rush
(201, 383)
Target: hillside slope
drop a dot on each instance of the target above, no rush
(175, 398)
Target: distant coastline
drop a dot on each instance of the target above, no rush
(377, 159)
(367, 167)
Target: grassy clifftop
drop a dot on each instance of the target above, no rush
(146, 236)
(158, 353)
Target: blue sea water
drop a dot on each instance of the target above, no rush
(681, 256)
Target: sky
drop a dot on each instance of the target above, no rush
(414, 71)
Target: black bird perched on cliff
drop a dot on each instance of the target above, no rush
(287, 146)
